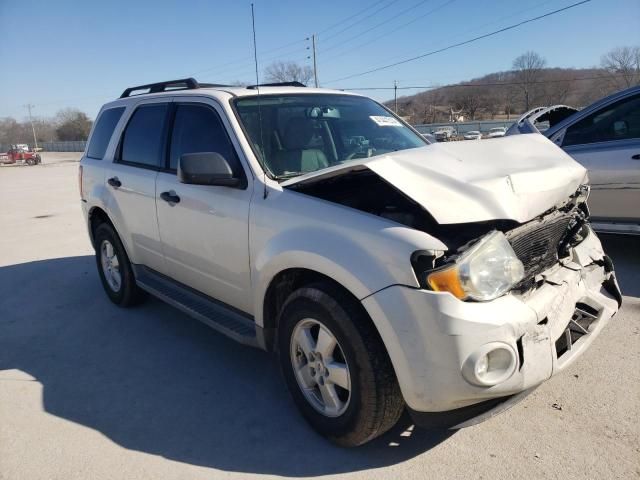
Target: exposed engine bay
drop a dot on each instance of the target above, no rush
(538, 243)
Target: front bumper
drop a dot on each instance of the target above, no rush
(431, 335)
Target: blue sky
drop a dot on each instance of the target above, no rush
(81, 54)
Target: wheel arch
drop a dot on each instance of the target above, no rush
(97, 216)
(286, 282)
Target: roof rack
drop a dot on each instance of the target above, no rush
(277, 84)
(181, 84)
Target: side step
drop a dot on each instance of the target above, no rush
(217, 315)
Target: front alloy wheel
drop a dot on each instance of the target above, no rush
(335, 365)
(320, 367)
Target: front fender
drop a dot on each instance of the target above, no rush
(329, 253)
(362, 252)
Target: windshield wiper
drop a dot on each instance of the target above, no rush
(286, 176)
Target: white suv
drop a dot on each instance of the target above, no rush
(386, 272)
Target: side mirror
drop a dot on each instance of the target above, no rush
(206, 168)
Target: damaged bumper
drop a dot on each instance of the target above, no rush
(442, 347)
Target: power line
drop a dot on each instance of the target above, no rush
(241, 64)
(350, 17)
(415, 19)
(384, 22)
(364, 18)
(459, 44)
(492, 84)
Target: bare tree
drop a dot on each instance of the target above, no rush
(288, 72)
(72, 125)
(527, 69)
(468, 100)
(623, 64)
(558, 84)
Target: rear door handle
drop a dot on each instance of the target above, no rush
(114, 182)
(636, 156)
(170, 197)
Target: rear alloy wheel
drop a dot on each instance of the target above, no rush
(336, 367)
(114, 268)
(110, 265)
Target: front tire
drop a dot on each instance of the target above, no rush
(114, 268)
(336, 367)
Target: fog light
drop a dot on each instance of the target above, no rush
(482, 365)
(493, 363)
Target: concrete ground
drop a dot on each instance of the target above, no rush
(91, 391)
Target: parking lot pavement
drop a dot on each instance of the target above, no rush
(91, 391)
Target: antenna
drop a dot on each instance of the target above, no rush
(263, 151)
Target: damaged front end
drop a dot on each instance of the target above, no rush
(541, 244)
(491, 353)
(522, 288)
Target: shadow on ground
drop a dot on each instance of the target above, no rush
(153, 380)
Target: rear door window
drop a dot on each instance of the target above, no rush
(142, 140)
(102, 132)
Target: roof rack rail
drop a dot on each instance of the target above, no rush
(181, 84)
(278, 84)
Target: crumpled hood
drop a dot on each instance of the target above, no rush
(510, 178)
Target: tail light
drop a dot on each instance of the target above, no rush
(80, 182)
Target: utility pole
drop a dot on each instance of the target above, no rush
(395, 94)
(29, 106)
(315, 63)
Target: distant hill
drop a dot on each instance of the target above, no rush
(501, 95)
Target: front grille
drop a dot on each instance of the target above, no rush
(537, 243)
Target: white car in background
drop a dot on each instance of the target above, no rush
(473, 135)
(497, 132)
(444, 134)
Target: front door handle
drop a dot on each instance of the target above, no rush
(170, 197)
(114, 182)
(635, 157)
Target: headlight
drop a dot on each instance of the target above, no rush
(484, 272)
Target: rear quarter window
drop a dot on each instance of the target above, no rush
(102, 132)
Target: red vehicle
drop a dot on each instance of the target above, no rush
(18, 154)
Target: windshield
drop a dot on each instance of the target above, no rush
(296, 134)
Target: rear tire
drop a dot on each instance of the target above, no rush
(115, 268)
(372, 402)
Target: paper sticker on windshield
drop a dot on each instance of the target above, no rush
(385, 121)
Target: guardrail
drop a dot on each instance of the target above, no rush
(463, 127)
(68, 146)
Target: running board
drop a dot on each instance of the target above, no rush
(217, 315)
